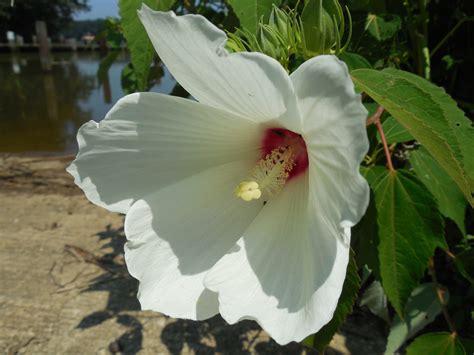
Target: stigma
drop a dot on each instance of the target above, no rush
(248, 191)
(284, 157)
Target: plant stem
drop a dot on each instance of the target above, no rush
(376, 120)
(450, 33)
(448, 253)
(417, 24)
(440, 295)
(424, 49)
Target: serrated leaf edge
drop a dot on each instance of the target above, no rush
(459, 164)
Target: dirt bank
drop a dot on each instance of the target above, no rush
(64, 287)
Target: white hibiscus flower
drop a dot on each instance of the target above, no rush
(240, 203)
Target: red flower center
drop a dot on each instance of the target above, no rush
(276, 138)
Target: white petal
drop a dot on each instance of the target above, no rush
(251, 84)
(289, 270)
(148, 141)
(178, 233)
(334, 122)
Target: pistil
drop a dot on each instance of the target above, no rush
(284, 157)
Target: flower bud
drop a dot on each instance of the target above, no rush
(280, 21)
(323, 27)
(278, 37)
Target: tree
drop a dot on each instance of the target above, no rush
(21, 17)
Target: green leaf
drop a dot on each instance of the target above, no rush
(371, 107)
(128, 79)
(382, 27)
(410, 228)
(250, 12)
(451, 201)
(442, 343)
(429, 115)
(365, 239)
(354, 61)
(321, 339)
(468, 344)
(422, 308)
(465, 135)
(373, 173)
(141, 49)
(394, 132)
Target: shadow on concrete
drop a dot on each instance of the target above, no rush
(204, 337)
(121, 289)
(364, 332)
(216, 336)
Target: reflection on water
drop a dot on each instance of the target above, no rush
(42, 111)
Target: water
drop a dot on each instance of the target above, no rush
(42, 111)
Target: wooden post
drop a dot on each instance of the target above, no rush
(51, 99)
(43, 45)
(103, 47)
(11, 40)
(73, 44)
(107, 91)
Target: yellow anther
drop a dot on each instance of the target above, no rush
(248, 191)
(268, 177)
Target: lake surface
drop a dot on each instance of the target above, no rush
(42, 111)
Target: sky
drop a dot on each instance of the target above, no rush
(99, 9)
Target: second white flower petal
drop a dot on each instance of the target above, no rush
(251, 84)
(148, 141)
(289, 270)
(178, 233)
(336, 137)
